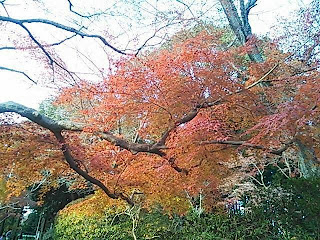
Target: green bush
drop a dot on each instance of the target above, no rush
(291, 216)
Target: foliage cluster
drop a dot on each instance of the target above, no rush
(293, 214)
(165, 126)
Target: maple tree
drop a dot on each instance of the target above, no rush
(165, 125)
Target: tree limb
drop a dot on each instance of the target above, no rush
(34, 47)
(234, 19)
(133, 147)
(51, 60)
(20, 22)
(79, 14)
(17, 71)
(56, 129)
(263, 77)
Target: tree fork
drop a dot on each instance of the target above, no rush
(57, 129)
(241, 28)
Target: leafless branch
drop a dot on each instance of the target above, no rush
(41, 46)
(81, 15)
(8, 48)
(20, 72)
(151, 37)
(51, 61)
(21, 23)
(4, 7)
(34, 47)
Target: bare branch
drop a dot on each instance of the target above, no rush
(81, 15)
(34, 47)
(7, 48)
(4, 7)
(51, 61)
(17, 71)
(261, 182)
(20, 22)
(260, 80)
(148, 39)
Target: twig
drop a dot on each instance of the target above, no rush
(17, 71)
(20, 22)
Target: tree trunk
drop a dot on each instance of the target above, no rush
(2, 225)
(15, 229)
(241, 29)
(308, 165)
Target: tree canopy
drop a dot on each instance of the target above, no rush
(211, 107)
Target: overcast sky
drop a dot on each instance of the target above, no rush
(16, 88)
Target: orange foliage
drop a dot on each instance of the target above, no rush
(150, 95)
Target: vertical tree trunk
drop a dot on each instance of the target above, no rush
(43, 221)
(241, 28)
(15, 229)
(234, 20)
(308, 165)
(2, 225)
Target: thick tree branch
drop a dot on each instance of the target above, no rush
(36, 117)
(73, 165)
(245, 10)
(234, 19)
(241, 27)
(156, 148)
(133, 147)
(56, 129)
(47, 123)
(172, 163)
(53, 126)
(31, 114)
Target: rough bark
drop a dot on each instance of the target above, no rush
(308, 165)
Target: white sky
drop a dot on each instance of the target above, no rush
(14, 87)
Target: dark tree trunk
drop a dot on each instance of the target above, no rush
(308, 162)
(2, 225)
